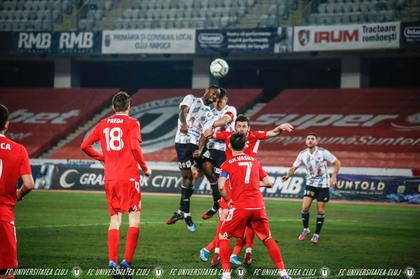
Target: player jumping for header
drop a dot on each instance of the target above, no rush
(194, 115)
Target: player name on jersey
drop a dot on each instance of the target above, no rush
(5, 146)
(115, 121)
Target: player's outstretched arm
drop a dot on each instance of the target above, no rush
(279, 129)
(86, 146)
(290, 173)
(27, 186)
(336, 165)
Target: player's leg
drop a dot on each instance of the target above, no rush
(184, 157)
(223, 211)
(319, 219)
(249, 239)
(261, 228)
(132, 236)
(306, 205)
(207, 168)
(239, 243)
(233, 226)
(114, 207)
(114, 239)
(8, 249)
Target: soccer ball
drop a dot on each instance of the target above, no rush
(219, 68)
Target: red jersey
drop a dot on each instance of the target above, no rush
(244, 173)
(119, 137)
(252, 142)
(14, 163)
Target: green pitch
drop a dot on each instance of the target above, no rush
(64, 230)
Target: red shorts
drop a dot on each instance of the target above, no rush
(237, 220)
(123, 196)
(8, 250)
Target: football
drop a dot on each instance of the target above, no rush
(219, 68)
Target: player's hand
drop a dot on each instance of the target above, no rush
(284, 178)
(196, 154)
(184, 129)
(333, 180)
(287, 127)
(148, 172)
(18, 195)
(208, 133)
(229, 204)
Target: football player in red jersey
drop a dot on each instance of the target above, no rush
(246, 204)
(119, 137)
(14, 163)
(252, 144)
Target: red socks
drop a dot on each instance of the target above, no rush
(238, 246)
(274, 252)
(225, 254)
(113, 243)
(131, 244)
(249, 237)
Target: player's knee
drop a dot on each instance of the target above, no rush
(187, 181)
(134, 219)
(115, 222)
(267, 238)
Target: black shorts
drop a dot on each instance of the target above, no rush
(318, 193)
(184, 152)
(216, 157)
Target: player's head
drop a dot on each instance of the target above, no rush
(121, 102)
(237, 141)
(311, 140)
(242, 124)
(222, 100)
(4, 118)
(211, 94)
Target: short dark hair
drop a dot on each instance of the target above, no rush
(215, 87)
(4, 116)
(121, 101)
(223, 93)
(237, 141)
(312, 134)
(242, 118)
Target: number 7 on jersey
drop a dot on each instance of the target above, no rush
(248, 166)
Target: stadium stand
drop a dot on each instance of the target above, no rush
(158, 114)
(34, 15)
(54, 15)
(358, 125)
(326, 12)
(41, 116)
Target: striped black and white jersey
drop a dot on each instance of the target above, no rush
(230, 127)
(316, 166)
(198, 115)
